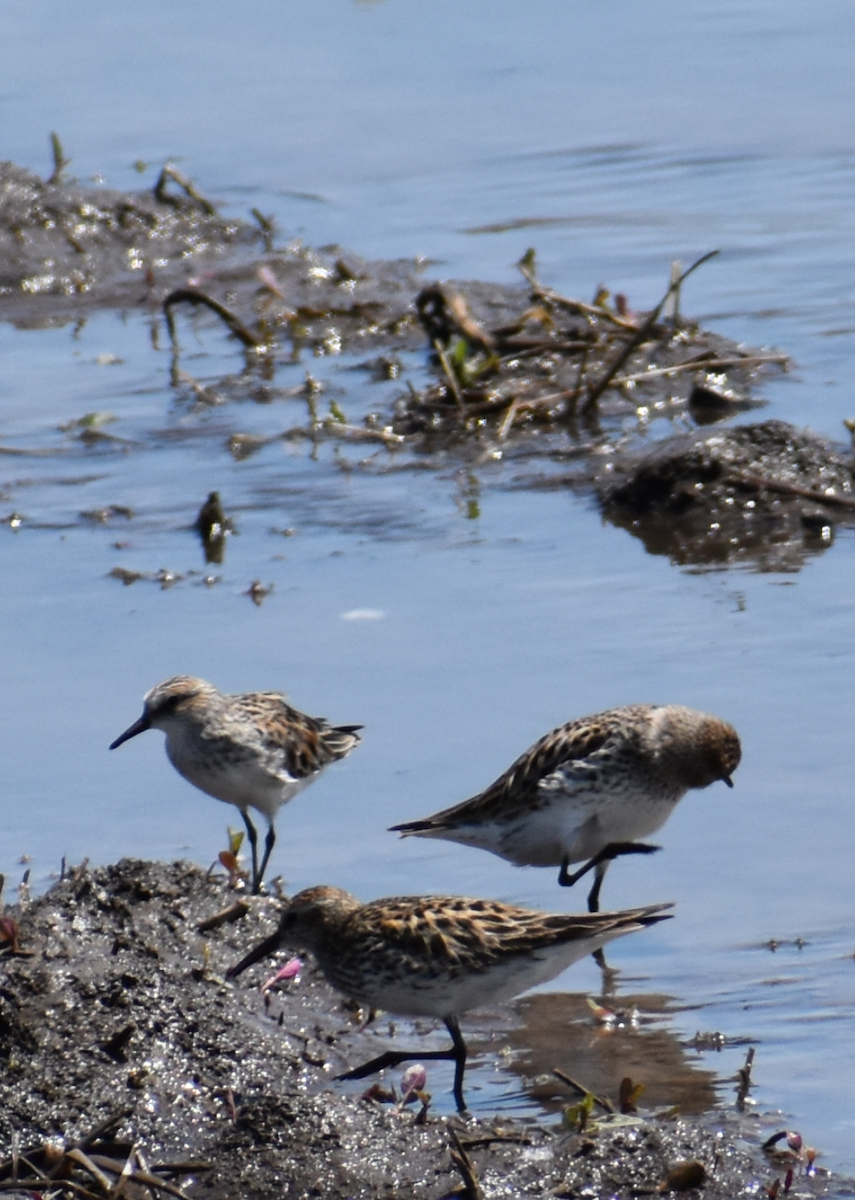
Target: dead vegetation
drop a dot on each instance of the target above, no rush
(131, 1068)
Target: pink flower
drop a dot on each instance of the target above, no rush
(412, 1081)
(291, 970)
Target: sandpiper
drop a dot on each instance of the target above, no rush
(590, 789)
(437, 956)
(251, 749)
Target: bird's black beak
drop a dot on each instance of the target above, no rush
(139, 726)
(263, 950)
(725, 778)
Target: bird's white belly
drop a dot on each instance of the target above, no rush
(575, 828)
(245, 784)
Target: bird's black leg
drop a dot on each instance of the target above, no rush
(268, 846)
(612, 850)
(594, 894)
(253, 842)
(459, 1061)
(393, 1058)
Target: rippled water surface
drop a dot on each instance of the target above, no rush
(456, 616)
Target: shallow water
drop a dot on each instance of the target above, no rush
(457, 617)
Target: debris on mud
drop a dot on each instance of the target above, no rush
(64, 243)
(766, 494)
(128, 1059)
(558, 360)
(505, 374)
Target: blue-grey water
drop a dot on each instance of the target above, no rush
(456, 619)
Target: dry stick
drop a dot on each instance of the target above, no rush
(743, 1075)
(356, 433)
(37, 1172)
(144, 1177)
(532, 406)
(142, 1165)
(605, 1105)
(60, 162)
(449, 374)
(575, 306)
(225, 916)
(639, 335)
(702, 364)
(170, 172)
(56, 1187)
(493, 1139)
(760, 483)
(127, 1172)
(580, 379)
(463, 1163)
(193, 1167)
(676, 280)
(103, 1127)
(192, 296)
(91, 1167)
(543, 346)
(203, 394)
(508, 419)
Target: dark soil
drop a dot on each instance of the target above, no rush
(115, 1015)
(766, 494)
(520, 373)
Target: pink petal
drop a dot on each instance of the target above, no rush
(291, 970)
(413, 1079)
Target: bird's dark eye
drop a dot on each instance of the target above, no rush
(169, 704)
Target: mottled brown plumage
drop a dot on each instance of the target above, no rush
(438, 956)
(591, 788)
(251, 749)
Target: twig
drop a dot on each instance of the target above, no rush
(743, 1076)
(701, 363)
(639, 335)
(203, 394)
(356, 433)
(161, 194)
(192, 296)
(461, 1160)
(449, 374)
(605, 1105)
(126, 1173)
(580, 378)
(88, 1165)
(508, 419)
(540, 346)
(110, 1123)
(146, 1177)
(532, 405)
(578, 307)
(225, 916)
(60, 162)
(760, 483)
(676, 281)
(56, 1188)
(493, 1139)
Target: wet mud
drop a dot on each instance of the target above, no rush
(568, 393)
(765, 494)
(124, 1049)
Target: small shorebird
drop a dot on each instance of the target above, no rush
(589, 789)
(251, 749)
(437, 956)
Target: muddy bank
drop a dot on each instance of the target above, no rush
(119, 1036)
(565, 392)
(764, 494)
